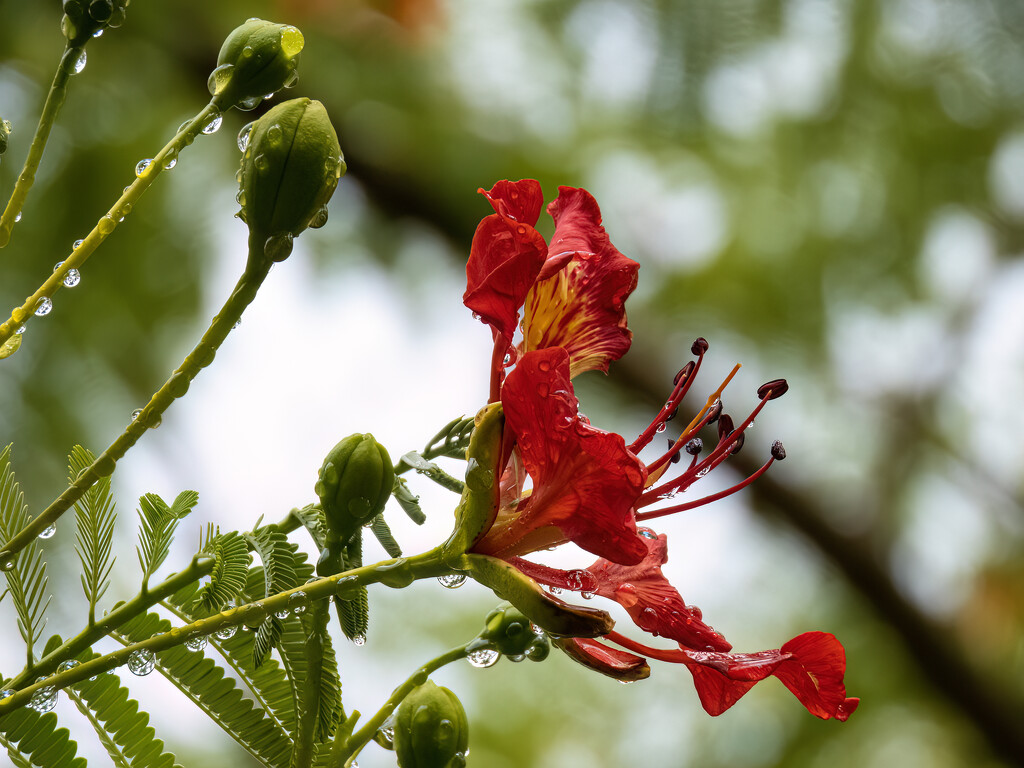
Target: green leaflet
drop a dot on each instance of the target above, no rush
(37, 737)
(269, 685)
(205, 683)
(230, 568)
(383, 533)
(125, 725)
(284, 568)
(354, 609)
(26, 581)
(158, 522)
(94, 521)
(309, 658)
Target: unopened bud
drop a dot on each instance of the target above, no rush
(290, 169)
(511, 633)
(5, 133)
(354, 485)
(699, 346)
(431, 729)
(257, 60)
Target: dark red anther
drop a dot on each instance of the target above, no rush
(738, 444)
(725, 425)
(773, 389)
(713, 413)
(694, 446)
(778, 451)
(683, 373)
(699, 346)
(675, 456)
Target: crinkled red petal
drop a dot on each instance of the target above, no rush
(579, 299)
(518, 200)
(652, 602)
(505, 258)
(585, 481)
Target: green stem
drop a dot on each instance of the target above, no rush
(54, 101)
(362, 737)
(398, 572)
(107, 224)
(176, 386)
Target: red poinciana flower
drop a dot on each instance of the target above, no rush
(588, 486)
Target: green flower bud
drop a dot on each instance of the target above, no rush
(431, 729)
(354, 485)
(256, 60)
(511, 633)
(290, 169)
(85, 19)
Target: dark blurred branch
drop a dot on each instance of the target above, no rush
(929, 644)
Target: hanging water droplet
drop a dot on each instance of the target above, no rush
(136, 413)
(319, 218)
(661, 427)
(7, 560)
(458, 760)
(48, 531)
(196, 643)
(226, 633)
(213, 125)
(517, 657)
(64, 666)
(282, 613)
(170, 162)
(274, 135)
(141, 167)
(79, 64)
(44, 699)
(647, 533)
(452, 580)
(98, 32)
(386, 733)
(77, 244)
(8, 692)
(72, 278)
(297, 603)
(141, 662)
(18, 217)
(293, 78)
(261, 163)
(243, 137)
(21, 329)
(485, 657)
(106, 225)
(247, 105)
(702, 471)
(359, 640)
(554, 590)
(586, 594)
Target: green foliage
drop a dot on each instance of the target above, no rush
(354, 608)
(231, 565)
(26, 579)
(158, 523)
(122, 727)
(202, 681)
(37, 740)
(94, 518)
(284, 568)
(380, 529)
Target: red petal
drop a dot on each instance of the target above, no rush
(608, 661)
(811, 665)
(585, 482)
(652, 602)
(517, 200)
(579, 299)
(505, 258)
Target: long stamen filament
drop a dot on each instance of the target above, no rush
(707, 499)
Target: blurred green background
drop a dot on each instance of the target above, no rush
(827, 190)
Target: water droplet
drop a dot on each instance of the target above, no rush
(141, 167)
(626, 595)
(44, 699)
(6, 693)
(196, 643)
(170, 162)
(141, 662)
(261, 163)
(106, 225)
(243, 136)
(278, 247)
(291, 41)
(282, 613)
(18, 217)
(48, 531)
(293, 78)
(485, 657)
(319, 218)
(386, 732)
(458, 760)
(7, 560)
(226, 633)
(694, 446)
(554, 590)
(359, 640)
(21, 329)
(249, 104)
(647, 533)
(274, 135)
(587, 594)
(452, 580)
(136, 413)
(213, 125)
(297, 603)
(702, 472)
(79, 64)
(98, 33)
(661, 427)
(72, 278)
(64, 666)
(77, 244)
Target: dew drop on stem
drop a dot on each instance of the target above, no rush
(48, 532)
(485, 657)
(141, 662)
(142, 166)
(213, 125)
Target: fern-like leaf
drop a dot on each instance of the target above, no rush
(354, 611)
(38, 740)
(122, 727)
(204, 682)
(94, 519)
(231, 564)
(312, 518)
(452, 440)
(383, 533)
(26, 580)
(279, 575)
(408, 501)
(158, 522)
